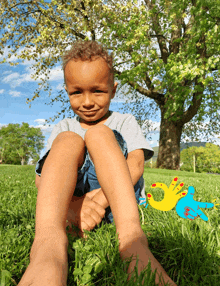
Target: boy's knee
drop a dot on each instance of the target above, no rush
(98, 132)
(68, 137)
(72, 143)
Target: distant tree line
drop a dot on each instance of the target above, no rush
(203, 159)
(199, 159)
(20, 143)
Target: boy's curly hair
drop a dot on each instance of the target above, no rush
(87, 51)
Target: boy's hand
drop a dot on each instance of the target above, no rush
(84, 212)
(100, 198)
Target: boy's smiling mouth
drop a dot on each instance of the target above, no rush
(89, 112)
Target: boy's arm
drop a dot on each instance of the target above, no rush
(135, 161)
(37, 181)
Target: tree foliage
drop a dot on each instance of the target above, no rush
(19, 143)
(207, 159)
(166, 51)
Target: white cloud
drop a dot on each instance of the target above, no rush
(28, 63)
(56, 74)
(15, 93)
(10, 77)
(16, 79)
(40, 121)
(15, 58)
(6, 72)
(45, 128)
(2, 91)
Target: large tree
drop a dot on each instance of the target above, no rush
(19, 143)
(167, 51)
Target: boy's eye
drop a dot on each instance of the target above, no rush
(76, 92)
(98, 91)
(79, 92)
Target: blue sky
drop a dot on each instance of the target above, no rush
(16, 85)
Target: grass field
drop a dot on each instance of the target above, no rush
(188, 250)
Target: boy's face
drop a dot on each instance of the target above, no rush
(89, 88)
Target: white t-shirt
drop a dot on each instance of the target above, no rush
(125, 124)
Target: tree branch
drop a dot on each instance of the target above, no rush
(88, 21)
(148, 82)
(193, 108)
(21, 3)
(158, 97)
(147, 78)
(124, 62)
(176, 34)
(155, 36)
(158, 33)
(40, 10)
(62, 26)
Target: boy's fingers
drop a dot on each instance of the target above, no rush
(91, 214)
(93, 206)
(91, 217)
(100, 210)
(92, 193)
(84, 226)
(87, 223)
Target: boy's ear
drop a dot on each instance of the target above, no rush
(114, 90)
(66, 89)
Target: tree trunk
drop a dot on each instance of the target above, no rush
(22, 161)
(169, 145)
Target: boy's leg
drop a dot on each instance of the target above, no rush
(114, 177)
(115, 180)
(48, 259)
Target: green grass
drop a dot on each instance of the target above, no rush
(188, 250)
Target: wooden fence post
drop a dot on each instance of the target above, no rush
(194, 163)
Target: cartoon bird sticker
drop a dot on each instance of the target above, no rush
(188, 208)
(171, 195)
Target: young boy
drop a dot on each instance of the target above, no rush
(92, 171)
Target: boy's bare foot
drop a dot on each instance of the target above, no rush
(48, 266)
(44, 273)
(137, 245)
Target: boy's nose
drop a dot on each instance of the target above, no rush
(88, 100)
